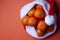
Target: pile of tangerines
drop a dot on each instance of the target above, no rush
(35, 17)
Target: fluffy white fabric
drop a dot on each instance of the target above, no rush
(31, 31)
(49, 20)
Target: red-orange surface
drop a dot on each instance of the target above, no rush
(10, 23)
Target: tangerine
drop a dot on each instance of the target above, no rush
(25, 20)
(39, 14)
(31, 12)
(32, 21)
(42, 26)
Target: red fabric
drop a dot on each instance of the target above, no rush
(52, 7)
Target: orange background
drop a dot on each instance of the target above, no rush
(10, 23)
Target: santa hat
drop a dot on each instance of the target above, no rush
(48, 6)
(49, 19)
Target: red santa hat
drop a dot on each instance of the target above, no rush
(52, 7)
(49, 19)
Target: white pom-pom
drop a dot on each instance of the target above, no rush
(49, 20)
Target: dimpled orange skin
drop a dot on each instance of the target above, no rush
(39, 6)
(31, 12)
(25, 20)
(39, 14)
(32, 21)
(40, 33)
(42, 26)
